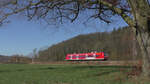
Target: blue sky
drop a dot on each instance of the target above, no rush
(21, 36)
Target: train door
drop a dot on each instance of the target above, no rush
(90, 56)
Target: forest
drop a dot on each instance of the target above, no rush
(119, 44)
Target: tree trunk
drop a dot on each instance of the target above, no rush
(144, 43)
(141, 13)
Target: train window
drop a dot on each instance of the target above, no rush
(97, 55)
(73, 56)
(70, 56)
(81, 56)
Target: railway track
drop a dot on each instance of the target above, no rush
(119, 63)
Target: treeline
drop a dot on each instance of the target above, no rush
(19, 59)
(119, 44)
(4, 58)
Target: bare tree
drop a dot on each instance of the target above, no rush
(34, 56)
(136, 13)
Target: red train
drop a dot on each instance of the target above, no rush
(87, 56)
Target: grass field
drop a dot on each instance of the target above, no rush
(64, 74)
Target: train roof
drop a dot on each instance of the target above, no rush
(84, 53)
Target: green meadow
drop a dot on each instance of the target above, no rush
(65, 74)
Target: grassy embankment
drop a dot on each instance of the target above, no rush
(65, 74)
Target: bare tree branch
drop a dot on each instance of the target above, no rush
(64, 7)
